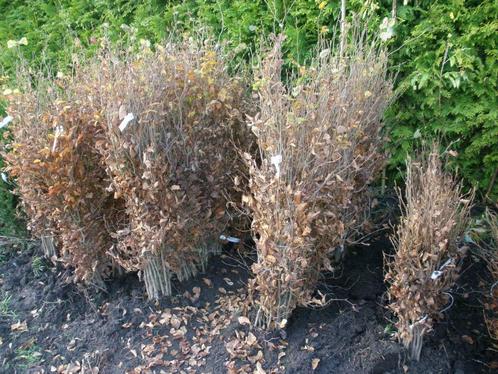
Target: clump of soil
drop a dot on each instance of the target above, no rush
(47, 325)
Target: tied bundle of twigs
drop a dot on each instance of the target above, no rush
(59, 173)
(319, 144)
(426, 262)
(489, 252)
(21, 156)
(173, 120)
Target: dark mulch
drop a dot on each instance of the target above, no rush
(68, 325)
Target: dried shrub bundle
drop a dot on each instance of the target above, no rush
(59, 173)
(426, 262)
(173, 118)
(490, 254)
(319, 144)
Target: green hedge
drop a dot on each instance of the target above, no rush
(10, 224)
(448, 65)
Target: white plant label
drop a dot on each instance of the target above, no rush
(230, 239)
(276, 161)
(5, 121)
(58, 132)
(437, 273)
(124, 123)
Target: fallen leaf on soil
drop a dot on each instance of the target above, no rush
(307, 347)
(259, 368)
(35, 313)
(19, 326)
(175, 322)
(244, 320)
(314, 363)
(467, 339)
(179, 333)
(165, 317)
(73, 367)
(251, 339)
(231, 367)
(207, 282)
(196, 291)
(256, 358)
(72, 345)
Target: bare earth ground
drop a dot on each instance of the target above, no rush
(49, 326)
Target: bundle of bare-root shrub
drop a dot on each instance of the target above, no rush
(319, 143)
(60, 177)
(428, 248)
(173, 125)
(489, 251)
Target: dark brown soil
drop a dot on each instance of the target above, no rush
(70, 329)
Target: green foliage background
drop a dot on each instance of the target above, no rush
(448, 80)
(444, 54)
(10, 223)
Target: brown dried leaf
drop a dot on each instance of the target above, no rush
(244, 320)
(19, 326)
(259, 368)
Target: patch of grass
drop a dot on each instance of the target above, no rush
(3, 254)
(38, 265)
(390, 329)
(6, 307)
(27, 357)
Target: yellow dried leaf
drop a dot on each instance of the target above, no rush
(314, 363)
(271, 259)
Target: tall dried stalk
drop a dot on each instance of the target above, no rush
(48, 247)
(319, 143)
(426, 262)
